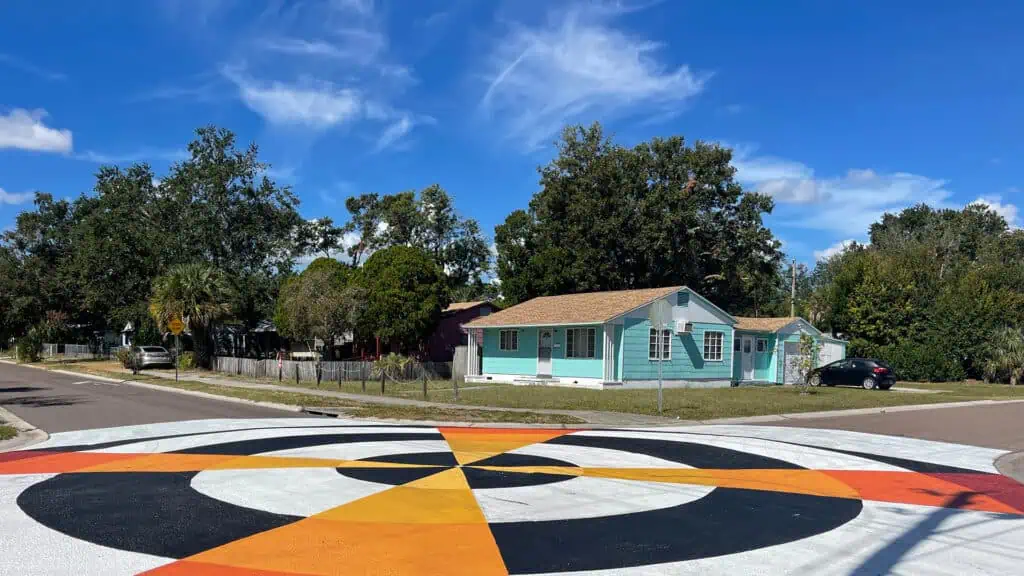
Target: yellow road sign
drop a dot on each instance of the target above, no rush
(176, 326)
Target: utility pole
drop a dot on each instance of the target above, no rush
(792, 290)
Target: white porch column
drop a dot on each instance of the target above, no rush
(609, 352)
(472, 357)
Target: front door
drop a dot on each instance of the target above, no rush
(748, 358)
(544, 353)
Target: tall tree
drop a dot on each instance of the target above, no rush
(234, 217)
(199, 295)
(405, 291)
(320, 237)
(319, 304)
(660, 213)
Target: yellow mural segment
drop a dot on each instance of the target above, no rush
(475, 444)
(430, 526)
(811, 482)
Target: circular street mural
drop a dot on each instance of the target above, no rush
(335, 497)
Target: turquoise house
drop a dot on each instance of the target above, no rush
(604, 339)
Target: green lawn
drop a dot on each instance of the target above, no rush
(7, 432)
(353, 408)
(709, 403)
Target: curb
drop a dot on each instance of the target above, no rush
(27, 433)
(207, 395)
(1011, 465)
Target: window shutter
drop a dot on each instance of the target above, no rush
(590, 343)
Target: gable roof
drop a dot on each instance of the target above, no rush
(767, 324)
(586, 308)
(459, 306)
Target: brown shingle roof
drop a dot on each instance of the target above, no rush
(587, 308)
(456, 306)
(764, 324)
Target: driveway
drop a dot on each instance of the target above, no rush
(58, 402)
(345, 497)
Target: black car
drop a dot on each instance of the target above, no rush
(868, 373)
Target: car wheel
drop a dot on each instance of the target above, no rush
(869, 384)
(814, 380)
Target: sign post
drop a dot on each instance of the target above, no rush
(176, 326)
(660, 314)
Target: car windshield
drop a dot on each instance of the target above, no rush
(881, 363)
(153, 349)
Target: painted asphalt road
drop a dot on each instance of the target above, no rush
(305, 496)
(59, 402)
(994, 426)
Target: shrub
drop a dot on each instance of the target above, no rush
(187, 361)
(125, 357)
(30, 347)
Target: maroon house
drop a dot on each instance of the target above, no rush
(441, 344)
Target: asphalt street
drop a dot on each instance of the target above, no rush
(995, 426)
(60, 402)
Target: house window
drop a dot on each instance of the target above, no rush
(762, 345)
(508, 340)
(663, 344)
(713, 345)
(579, 342)
(736, 344)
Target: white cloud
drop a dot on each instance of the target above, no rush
(1009, 212)
(15, 198)
(577, 65)
(834, 249)
(24, 129)
(361, 46)
(314, 104)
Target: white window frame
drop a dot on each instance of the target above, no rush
(721, 346)
(759, 348)
(663, 345)
(505, 343)
(590, 335)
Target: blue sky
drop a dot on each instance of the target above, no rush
(840, 110)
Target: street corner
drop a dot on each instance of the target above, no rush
(315, 496)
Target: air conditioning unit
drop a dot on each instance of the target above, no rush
(684, 327)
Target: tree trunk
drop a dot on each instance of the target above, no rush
(1013, 379)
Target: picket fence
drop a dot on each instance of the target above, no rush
(330, 371)
(67, 350)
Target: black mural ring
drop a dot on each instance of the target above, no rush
(161, 514)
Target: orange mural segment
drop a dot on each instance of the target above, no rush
(921, 489)
(476, 444)
(61, 462)
(812, 482)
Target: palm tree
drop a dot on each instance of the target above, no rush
(199, 294)
(1006, 355)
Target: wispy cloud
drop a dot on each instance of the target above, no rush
(202, 92)
(30, 68)
(578, 64)
(25, 130)
(846, 204)
(140, 155)
(15, 198)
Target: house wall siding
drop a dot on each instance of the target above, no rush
(687, 353)
(563, 367)
(518, 362)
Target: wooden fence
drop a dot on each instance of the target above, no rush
(331, 371)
